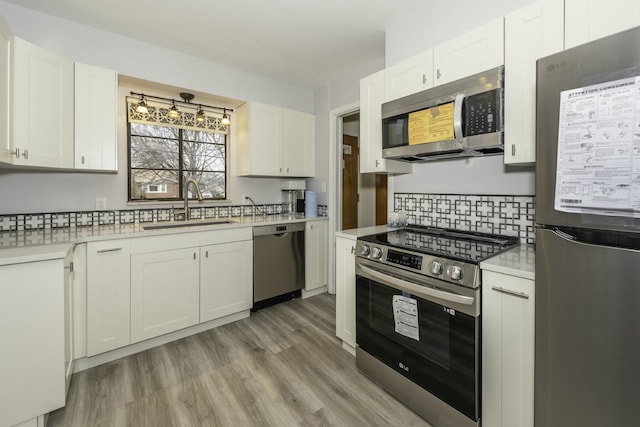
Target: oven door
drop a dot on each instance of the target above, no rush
(438, 350)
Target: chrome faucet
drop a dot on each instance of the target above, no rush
(187, 214)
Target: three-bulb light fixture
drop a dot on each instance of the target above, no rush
(174, 112)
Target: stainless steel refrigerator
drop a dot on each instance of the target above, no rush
(587, 328)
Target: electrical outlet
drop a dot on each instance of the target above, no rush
(101, 203)
(245, 200)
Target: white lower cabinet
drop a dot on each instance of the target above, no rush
(164, 292)
(346, 290)
(108, 295)
(315, 253)
(32, 359)
(226, 281)
(507, 350)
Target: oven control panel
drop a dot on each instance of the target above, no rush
(404, 259)
(441, 268)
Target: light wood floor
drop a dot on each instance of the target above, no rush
(282, 366)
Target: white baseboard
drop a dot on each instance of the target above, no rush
(313, 292)
(90, 362)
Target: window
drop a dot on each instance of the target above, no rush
(162, 156)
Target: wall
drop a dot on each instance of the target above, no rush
(56, 191)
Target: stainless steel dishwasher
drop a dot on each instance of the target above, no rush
(278, 263)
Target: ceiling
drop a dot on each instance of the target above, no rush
(305, 43)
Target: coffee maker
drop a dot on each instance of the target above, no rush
(293, 196)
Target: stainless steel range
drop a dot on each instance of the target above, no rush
(418, 318)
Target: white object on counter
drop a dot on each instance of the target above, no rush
(311, 204)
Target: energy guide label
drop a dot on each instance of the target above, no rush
(598, 166)
(405, 315)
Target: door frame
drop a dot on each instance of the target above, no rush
(335, 181)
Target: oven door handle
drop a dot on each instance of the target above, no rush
(412, 288)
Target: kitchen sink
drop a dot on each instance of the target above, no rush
(186, 224)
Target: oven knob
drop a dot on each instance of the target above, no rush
(436, 268)
(364, 250)
(455, 272)
(377, 253)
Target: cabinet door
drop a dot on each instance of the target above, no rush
(470, 53)
(32, 374)
(108, 295)
(507, 350)
(346, 290)
(409, 76)
(69, 319)
(371, 98)
(587, 20)
(264, 140)
(165, 292)
(226, 279)
(315, 247)
(6, 43)
(530, 33)
(42, 107)
(298, 144)
(96, 91)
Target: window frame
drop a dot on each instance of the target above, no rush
(180, 170)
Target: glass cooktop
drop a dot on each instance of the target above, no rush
(464, 246)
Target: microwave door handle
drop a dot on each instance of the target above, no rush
(457, 117)
(403, 285)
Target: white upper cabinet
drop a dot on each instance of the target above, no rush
(298, 130)
(42, 125)
(587, 20)
(371, 99)
(532, 32)
(96, 145)
(274, 141)
(477, 50)
(409, 76)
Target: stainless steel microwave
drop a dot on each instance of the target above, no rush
(463, 118)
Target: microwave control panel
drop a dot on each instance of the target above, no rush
(482, 113)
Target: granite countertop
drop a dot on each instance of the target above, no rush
(53, 243)
(519, 261)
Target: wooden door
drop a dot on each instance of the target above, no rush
(381, 199)
(349, 182)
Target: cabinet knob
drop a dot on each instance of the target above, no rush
(353, 249)
(16, 152)
(438, 74)
(194, 255)
(206, 254)
(25, 154)
(377, 163)
(424, 78)
(82, 160)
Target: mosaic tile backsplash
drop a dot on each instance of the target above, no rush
(42, 221)
(507, 215)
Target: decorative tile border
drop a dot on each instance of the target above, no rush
(61, 220)
(508, 215)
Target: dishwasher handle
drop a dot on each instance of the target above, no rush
(278, 230)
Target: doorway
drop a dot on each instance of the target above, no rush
(364, 196)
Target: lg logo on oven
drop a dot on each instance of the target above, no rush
(403, 367)
(451, 311)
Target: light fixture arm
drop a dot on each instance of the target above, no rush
(171, 101)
